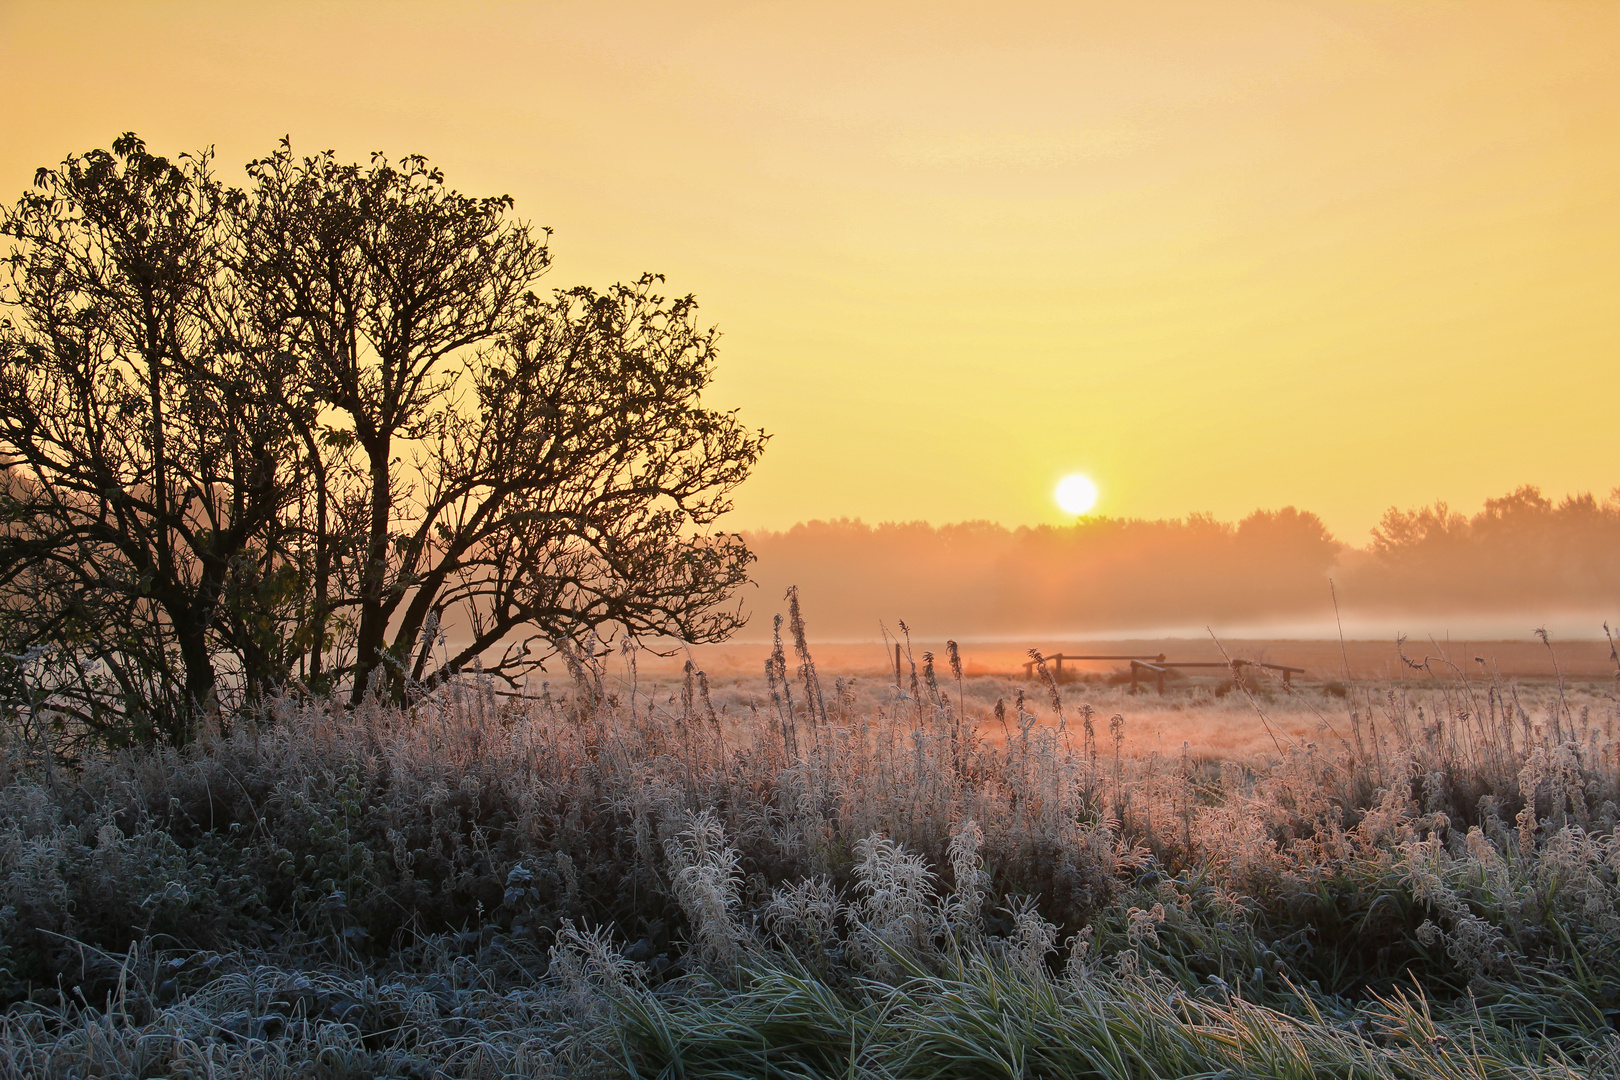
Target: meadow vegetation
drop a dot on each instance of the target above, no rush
(595, 879)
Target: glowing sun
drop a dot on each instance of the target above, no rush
(1076, 494)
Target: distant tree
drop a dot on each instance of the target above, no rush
(1295, 538)
(1521, 550)
(1402, 532)
(312, 429)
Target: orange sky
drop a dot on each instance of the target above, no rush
(1219, 256)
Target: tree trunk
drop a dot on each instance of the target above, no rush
(323, 568)
(192, 631)
(323, 572)
(373, 620)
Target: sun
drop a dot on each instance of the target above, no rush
(1076, 494)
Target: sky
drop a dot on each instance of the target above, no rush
(1343, 256)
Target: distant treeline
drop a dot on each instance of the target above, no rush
(1521, 551)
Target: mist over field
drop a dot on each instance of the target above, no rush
(1523, 560)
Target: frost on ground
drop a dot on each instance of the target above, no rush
(1421, 883)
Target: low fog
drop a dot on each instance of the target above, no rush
(1524, 560)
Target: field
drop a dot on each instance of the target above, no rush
(644, 869)
(1199, 707)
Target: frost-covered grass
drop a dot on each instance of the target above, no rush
(587, 882)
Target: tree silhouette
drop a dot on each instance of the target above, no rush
(144, 458)
(300, 433)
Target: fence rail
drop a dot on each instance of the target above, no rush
(1159, 667)
(1058, 658)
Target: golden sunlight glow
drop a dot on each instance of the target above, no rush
(1076, 494)
(1247, 254)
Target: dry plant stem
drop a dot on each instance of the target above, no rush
(1339, 624)
(1546, 639)
(1237, 679)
